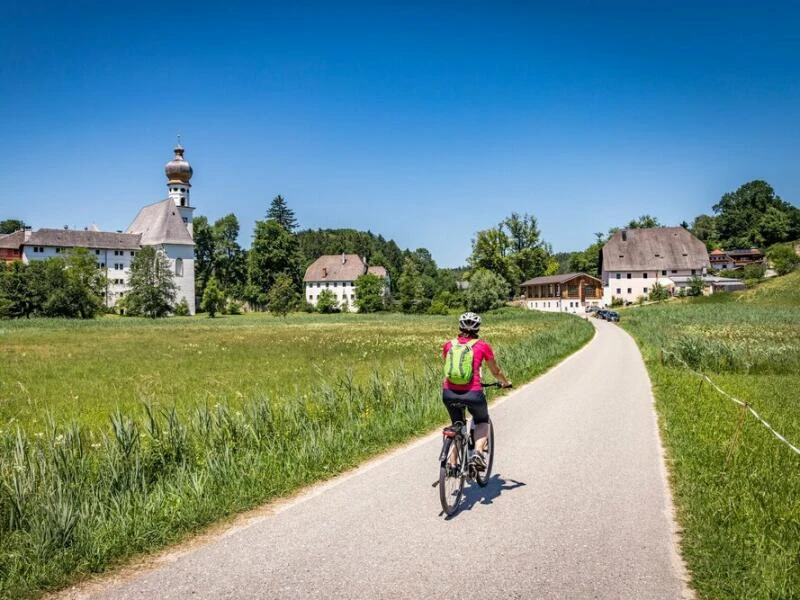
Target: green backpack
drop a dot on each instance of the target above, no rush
(458, 362)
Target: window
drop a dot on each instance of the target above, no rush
(629, 275)
(645, 290)
(133, 252)
(664, 272)
(693, 271)
(118, 266)
(619, 275)
(186, 220)
(179, 267)
(644, 276)
(619, 291)
(183, 202)
(97, 252)
(674, 270)
(38, 249)
(335, 284)
(310, 297)
(59, 250)
(630, 290)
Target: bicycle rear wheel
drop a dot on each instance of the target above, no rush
(451, 478)
(482, 477)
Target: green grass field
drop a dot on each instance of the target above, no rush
(738, 503)
(119, 436)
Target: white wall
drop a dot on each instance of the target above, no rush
(629, 285)
(186, 282)
(569, 305)
(341, 289)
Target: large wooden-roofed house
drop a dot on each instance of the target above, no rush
(338, 273)
(570, 292)
(11, 246)
(633, 260)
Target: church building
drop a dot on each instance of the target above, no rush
(165, 225)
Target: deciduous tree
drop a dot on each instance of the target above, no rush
(486, 290)
(153, 289)
(369, 293)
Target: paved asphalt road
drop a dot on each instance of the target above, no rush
(578, 508)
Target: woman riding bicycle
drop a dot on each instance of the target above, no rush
(471, 394)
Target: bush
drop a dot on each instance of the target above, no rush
(616, 301)
(783, 258)
(181, 308)
(487, 290)
(437, 308)
(659, 293)
(234, 307)
(326, 303)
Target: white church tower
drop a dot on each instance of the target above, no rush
(179, 173)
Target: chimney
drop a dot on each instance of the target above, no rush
(344, 259)
(624, 235)
(324, 271)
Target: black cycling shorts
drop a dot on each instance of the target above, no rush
(475, 401)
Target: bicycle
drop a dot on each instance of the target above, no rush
(458, 442)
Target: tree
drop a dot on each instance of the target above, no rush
(85, 283)
(204, 253)
(274, 251)
(704, 228)
(280, 212)
(11, 225)
(783, 258)
(745, 219)
(411, 291)
(486, 290)
(282, 296)
(213, 298)
(230, 266)
(152, 286)
(326, 302)
(644, 222)
(514, 250)
(369, 293)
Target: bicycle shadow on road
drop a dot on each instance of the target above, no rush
(475, 494)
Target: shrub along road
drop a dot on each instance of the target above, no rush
(578, 508)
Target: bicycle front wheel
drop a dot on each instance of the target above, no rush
(451, 478)
(482, 477)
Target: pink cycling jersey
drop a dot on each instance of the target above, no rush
(480, 351)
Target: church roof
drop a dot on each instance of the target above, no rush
(76, 238)
(161, 223)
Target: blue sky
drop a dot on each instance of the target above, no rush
(422, 122)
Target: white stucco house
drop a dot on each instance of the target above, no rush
(338, 273)
(165, 225)
(633, 260)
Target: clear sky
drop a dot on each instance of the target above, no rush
(423, 122)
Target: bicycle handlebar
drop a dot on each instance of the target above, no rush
(496, 384)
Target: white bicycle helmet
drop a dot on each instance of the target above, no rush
(469, 322)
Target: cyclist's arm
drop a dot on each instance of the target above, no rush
(497, 372)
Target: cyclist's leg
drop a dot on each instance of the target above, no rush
(456, 413)
(479, 410)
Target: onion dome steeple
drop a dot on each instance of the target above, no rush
(179, 172)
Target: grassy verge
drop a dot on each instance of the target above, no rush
(77, 495)
(736, 487)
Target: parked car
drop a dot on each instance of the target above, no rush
(591, 309)
(612, 315)
(601, 313)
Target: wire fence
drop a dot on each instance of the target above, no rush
(745, 405)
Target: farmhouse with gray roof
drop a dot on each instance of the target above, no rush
(165, 225)
(633, 260)
(338, 273)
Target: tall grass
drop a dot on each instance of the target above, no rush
(736, 487)
(75, 498)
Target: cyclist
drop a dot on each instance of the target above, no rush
(471, 394)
